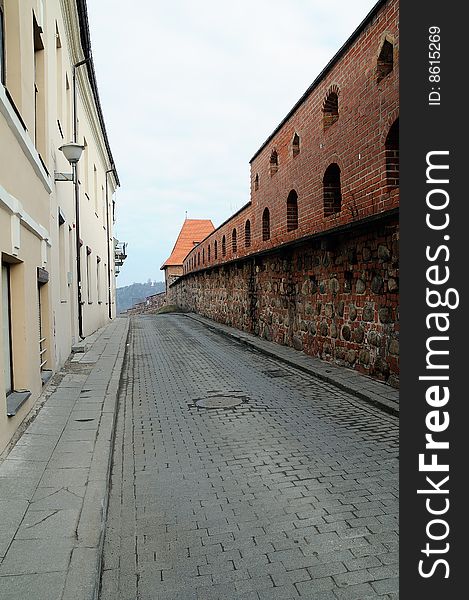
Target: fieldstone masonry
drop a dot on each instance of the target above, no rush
(335, 298)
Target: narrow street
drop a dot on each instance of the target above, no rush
(236, 476)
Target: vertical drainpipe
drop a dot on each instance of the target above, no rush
(77, 198)
(109, 240)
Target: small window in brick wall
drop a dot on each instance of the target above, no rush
(215, 249)
(296, 145)
(256, 182)
(385, 60)
(203, 256)
(198, 259)
(223, 246)
(234, 241)
(292, 211)
(209, 253)
(330, 110)
(266, 225)
(332, 191)
(273, 162)
(392, 156)
(247, 234)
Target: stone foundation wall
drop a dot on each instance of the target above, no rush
(334, 297)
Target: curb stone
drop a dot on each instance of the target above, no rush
(54, 483)
(361, 386)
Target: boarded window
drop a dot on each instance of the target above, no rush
(385, 60)
(296, 145)
(292, 211)
(273, 162)
(332, 191)
(247, 234)
(392, 155)
(330, 110)
(266, 225)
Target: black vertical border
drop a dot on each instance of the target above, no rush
(425, 128)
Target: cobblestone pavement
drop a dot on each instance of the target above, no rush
(291, 494)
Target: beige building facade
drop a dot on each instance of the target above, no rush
(56, 220)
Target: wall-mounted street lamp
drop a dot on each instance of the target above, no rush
(72, 152)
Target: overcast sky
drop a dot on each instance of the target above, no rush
(190, 90)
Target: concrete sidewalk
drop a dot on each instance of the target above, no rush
(54, 483)
(351, 381)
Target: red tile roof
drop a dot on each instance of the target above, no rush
(192, 232)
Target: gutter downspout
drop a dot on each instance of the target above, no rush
(109, 240)
(77, 199)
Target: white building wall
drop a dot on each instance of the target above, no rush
(37, 214)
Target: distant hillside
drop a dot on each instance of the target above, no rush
(130, 295)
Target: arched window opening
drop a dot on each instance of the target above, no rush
(203, 256)
(247, 234)
(332, 192)
(296, 145)
(273, 162)
(198, 259)
(215, 249)
(256, 182)
(331, 110)
(392, 155)
(385, 60)
(234, 241)
(292, 211)
(209, 253)
(266, 225)
(223, 246)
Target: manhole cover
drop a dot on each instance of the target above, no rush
(218, 402)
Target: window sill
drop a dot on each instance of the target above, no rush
(46, 374)
(22, 136)
(15, 401)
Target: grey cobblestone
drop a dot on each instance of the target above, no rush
(275, 499)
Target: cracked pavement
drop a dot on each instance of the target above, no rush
(293, 493)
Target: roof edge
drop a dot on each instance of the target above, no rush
(166, 264)
(86, 45)
(240, 210)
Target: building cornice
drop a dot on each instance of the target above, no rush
(75, 18)
(13, 206)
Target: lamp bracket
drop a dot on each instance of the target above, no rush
(63, 176)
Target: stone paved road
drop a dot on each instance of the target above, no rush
(292, 494)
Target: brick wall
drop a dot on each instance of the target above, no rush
(355, 142)
(326, 278)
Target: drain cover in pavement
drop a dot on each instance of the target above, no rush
(218, 402)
